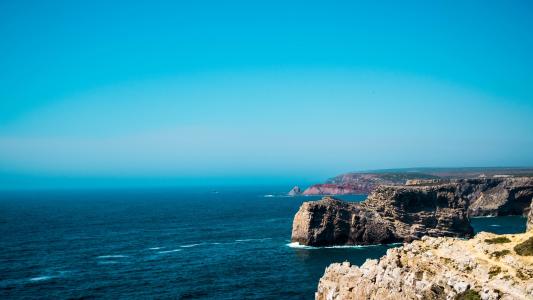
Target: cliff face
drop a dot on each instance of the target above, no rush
(486, 267)
(365, 183)
(405, 213)
(481, 197)
(497, 196)
(382, 218)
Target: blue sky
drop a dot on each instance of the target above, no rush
(203, 92)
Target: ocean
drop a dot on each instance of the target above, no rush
(231, 243)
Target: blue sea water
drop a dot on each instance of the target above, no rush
(166, 243)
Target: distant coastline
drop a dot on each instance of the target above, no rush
(365, 182)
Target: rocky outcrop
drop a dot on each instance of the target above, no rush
(387, 216)
(295, 191)
(486, 267)
(404, 213)
(435, 266)
(337, 189)
(495, 196)
(482, 197)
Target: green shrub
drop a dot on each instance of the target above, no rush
(525, 248)
(468, 295)
(499, 254)
(498, 240)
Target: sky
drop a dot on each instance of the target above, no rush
(149, 93)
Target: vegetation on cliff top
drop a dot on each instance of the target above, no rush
(499, 254)
(525, 248)
(498, 240)
(468, 295)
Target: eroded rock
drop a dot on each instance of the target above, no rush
(380, 219)
(436, 268)
(405, 213)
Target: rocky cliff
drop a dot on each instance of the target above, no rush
(382, 218)
(367, 182)
(486, 267)
(405, 213)
(496, 196)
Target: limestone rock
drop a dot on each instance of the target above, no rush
(436, 268)
(496, 196)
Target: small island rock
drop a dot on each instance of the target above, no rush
(295, 191)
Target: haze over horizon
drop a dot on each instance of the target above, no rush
(172, 93)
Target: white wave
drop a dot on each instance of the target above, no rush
(41, 278)
(269, 196)
(495, 225)
(155, 248)
(169, 251)
(216, 243)
(297, 245)
(191, 245)
(113, 256)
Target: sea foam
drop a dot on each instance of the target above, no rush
(113, 256)
(169, 251)
(297, 245)
(41, 278)
(191, 245)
